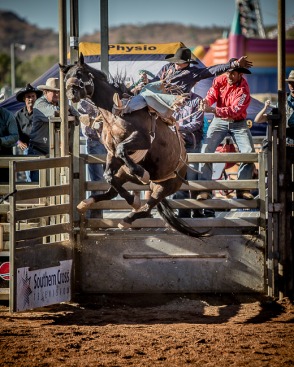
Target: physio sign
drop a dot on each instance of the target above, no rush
(91, 49)
(43, 287)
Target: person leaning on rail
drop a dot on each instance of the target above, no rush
(8, 138)
(267, 108)
(231, 94)
(45, 107)
(24, 118)
(190, 122)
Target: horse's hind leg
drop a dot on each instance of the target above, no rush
(143, 212)
(157, 194)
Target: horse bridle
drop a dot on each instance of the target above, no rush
(79, 83)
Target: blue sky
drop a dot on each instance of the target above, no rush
(44, 14)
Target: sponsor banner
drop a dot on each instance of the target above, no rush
(89, 48)
(43, 287)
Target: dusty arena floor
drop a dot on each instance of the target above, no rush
(211, 330)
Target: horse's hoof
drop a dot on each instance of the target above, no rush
(124, 225)
(84, 205)
(145, 178)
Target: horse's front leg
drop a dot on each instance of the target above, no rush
(137, 143)
(112, 166)
(116, 181)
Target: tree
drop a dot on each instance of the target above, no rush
(4, 69)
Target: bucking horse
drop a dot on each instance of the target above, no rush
(140, 148)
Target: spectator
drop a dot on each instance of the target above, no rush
(8, 138)
(93, 144)
(163, 93)
(262, 114)
(290, 110)
(45, 107)
(232, 96)
(24, 118)
(190, 125)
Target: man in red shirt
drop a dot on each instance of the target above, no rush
(231, 94)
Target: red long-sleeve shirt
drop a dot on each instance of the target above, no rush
(232, 101)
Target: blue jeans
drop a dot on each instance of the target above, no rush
(95, 170)
(191, 175)
(153, 96)
(28, 173)
(135, 103)
(217, 131)
(34, 175)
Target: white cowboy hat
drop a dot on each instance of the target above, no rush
(51, 84)
(290, 77)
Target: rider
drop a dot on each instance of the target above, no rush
(164, 92)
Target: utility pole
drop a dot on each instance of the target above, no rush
(13, 46)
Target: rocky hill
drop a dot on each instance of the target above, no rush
(45, 41)
(191, 36)
(14, 29)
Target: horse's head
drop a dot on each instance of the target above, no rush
(78, 80)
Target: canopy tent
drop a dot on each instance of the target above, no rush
(127, 60)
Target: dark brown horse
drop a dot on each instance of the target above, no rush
(139, 149)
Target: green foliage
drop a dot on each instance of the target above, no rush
(290, 34)
(25, 71)
(28, 71)
(4, 69)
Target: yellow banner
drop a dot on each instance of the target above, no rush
(89, 49)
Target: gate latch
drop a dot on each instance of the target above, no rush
(275, 207)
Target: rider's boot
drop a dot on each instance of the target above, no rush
(119, 105)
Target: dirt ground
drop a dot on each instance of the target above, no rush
(206, 330)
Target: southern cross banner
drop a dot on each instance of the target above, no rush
(43, 287)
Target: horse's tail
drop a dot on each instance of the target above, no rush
(167, 213)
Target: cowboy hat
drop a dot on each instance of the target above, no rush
(51, 84)
(240, 70)
(182, 56)
(290, 77)
(20, 95)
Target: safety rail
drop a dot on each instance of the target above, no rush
(116, 210)
(53, 194)
(5, 206)
(40, 215)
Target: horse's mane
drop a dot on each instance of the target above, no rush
(118, 81)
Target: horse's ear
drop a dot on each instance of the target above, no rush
(64, 68)
(81, 59)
